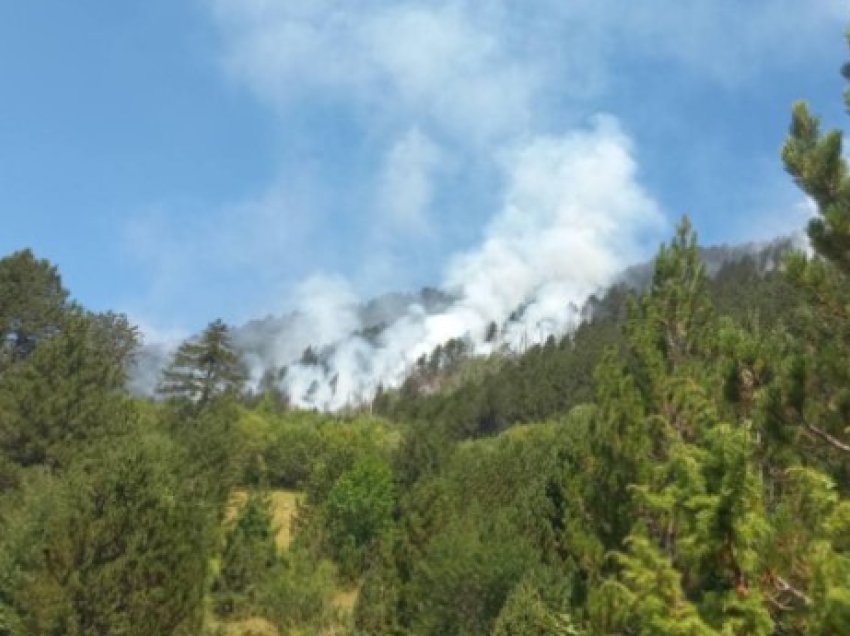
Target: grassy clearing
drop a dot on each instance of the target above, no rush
(254, 626)
(345, 599)
(284, 504)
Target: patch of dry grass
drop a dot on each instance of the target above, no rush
(345, 599)
(254, 626)
(284, 504)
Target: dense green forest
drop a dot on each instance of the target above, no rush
(680, 464)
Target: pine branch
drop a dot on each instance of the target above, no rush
(829, 439)
(784, 586)
(777, 604)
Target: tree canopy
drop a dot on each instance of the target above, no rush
(677, 465)
(204, 367)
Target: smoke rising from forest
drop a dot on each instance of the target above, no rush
(573, 216)
(434, 105)
(573, 220)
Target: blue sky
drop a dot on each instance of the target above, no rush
(187, 159)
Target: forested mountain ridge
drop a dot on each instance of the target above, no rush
(486, 396)
(679, 465)
(264, 342)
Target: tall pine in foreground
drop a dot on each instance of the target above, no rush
(686, 565)
(743, 526)
(818, 396)
(813, 400)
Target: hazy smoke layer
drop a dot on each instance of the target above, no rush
(573, 216)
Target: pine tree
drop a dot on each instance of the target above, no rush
(672, 322)
(68, 392)
(204, 368)
(818, 395)
(696, 508)
(807, 570)
(249, 555)
(525, 613)
(648, 599)
(621, 445)
(32, 304)
(118, 546)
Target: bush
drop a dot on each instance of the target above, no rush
(359, 508)
(249, 555)
(299, 592)
(464, 578)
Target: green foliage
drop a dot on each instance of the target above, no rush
(292, 589)
(621, 446)
(465, 576)
(32, 304)
(818, 167)
(648, 599)
(204, 368)
(69, 392)
(378, 604)
(248, 558)
(299, 592)
(822, 377)
(212, 450)
(809, 565)
(526, 613)
(309, 451)
(468, 532)
(115, 547)
(677, 307)
(358, 510)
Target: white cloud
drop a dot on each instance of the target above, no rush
(429, 61)
(451, 71)
(255, 243)
(486, 72)
(484, 76)
(405, 186)
(728, 40)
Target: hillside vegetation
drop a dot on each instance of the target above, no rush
(679, 465)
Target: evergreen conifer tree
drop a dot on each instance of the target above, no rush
(119, 546)
(249, 556)
(68, 392)
(204, 367)
(818, 396)
(32, 304)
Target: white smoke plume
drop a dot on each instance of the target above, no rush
(573, 216)
(435, 91)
